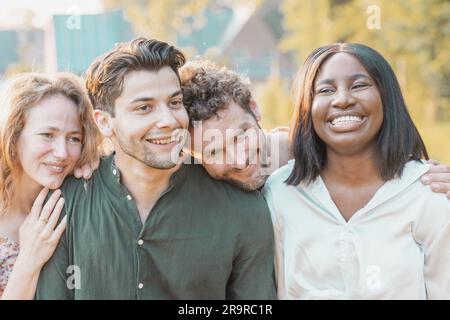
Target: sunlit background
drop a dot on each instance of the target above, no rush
(264, 40)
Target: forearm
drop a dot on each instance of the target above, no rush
(22, 281)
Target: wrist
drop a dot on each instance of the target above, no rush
(27, 265)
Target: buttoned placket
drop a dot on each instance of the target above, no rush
(139, 241)
(144, 226)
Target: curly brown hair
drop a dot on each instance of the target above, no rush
(208, 89)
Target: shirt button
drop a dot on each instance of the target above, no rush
(140, 242)
(114, 172)
(128, 197)
(140, 285)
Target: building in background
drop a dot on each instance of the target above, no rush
(72, 42)
(21, 50)
(246, 39)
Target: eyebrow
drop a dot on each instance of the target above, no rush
(142, 99)
(57, 129)
(352, 77)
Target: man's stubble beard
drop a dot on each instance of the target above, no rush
(147, 157)
(251, 186)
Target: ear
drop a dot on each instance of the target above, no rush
(255, 109)
(104, 122)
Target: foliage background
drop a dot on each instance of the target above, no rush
(414, 36)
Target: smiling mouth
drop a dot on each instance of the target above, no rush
(343, 120)
(55, 168)
(165, 140)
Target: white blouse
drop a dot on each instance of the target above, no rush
(395, 247)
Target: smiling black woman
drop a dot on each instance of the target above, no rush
(351, 218)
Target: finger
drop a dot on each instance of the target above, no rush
(53, 220)
(95, 164)
(49, 205)
(87, 171)
(37, 204)
(442, 168)
(440, 187)
(78, 173)
(56, 235)
(437, 178)
(434, 162)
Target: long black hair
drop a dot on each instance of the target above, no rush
(398, 140)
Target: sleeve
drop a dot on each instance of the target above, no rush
(56, 278)
(432, 232)
(252, 275)
(279, 251)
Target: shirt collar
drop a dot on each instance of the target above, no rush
(113, 174)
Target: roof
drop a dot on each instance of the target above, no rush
(79, 42)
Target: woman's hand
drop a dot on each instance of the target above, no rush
(438, 177)
(38, 236)
(86, 171)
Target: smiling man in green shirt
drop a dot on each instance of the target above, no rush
(147, 226)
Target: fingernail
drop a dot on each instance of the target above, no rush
(435, 187)
(425, 180)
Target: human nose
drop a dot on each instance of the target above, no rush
(246, 151)
(343, 99)
(60, 148)
(166, 119)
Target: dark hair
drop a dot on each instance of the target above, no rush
(208, 89)
(398, 140)
(104, 78)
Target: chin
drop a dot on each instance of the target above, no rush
(52, 184)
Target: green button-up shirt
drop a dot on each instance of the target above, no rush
(203, 239)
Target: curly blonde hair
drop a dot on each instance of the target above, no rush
(20, 94)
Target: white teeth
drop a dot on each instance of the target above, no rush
(173, 137)
(346, 119)
(162, 141)
(56, 168)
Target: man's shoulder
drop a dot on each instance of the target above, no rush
(199, 174)
(223, 194)
(74, 185)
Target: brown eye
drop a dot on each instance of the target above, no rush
(143, 108)
(176, 103)
(359, 85)
(74, 139)
(47, 135)
(325, 90)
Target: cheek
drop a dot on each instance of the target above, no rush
(129, 129)
(74, 152)
(33, 155)
(317, 115)
(377, 108)
(37, 149)
(182, 118)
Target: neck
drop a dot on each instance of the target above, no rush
(352, 170)
(26, 192)
(144, 183)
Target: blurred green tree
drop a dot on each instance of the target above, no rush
(414, 35)
(162, 19)
(275, 102)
